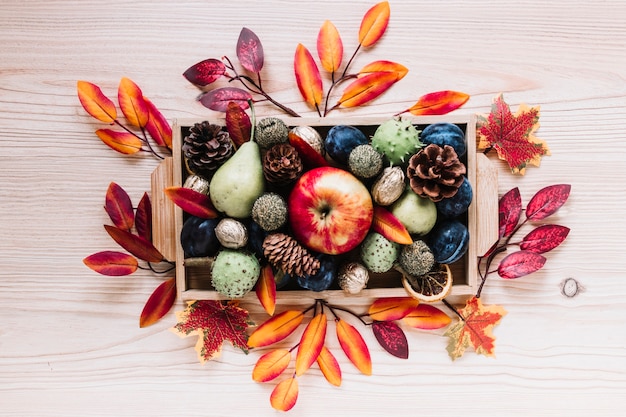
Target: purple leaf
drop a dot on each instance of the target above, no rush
(520, 263)
(547, 201)
(509, 210)
(219, 98)
(205, 72)
(250, 51)
(391, 337)
(544, 238)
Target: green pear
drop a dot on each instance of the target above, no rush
(238, 182)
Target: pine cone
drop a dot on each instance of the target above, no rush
(436, 172)
(285, 252)
(206, 147)
(282, 164)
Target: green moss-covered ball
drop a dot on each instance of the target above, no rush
(234, 272)
(271, 131)
(270, 211)
(365, 162)
(417, 258)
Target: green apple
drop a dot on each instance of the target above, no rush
(417, 214)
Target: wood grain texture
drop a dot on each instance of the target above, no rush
(70, 343)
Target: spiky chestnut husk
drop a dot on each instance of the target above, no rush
(234, 272)
(378, 254)
(270, 211)
(365, 162)
(397, 140)
(271, 131)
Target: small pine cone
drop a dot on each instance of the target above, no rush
(206, 147)
(436, 172)
(285, 252)
(282, 164)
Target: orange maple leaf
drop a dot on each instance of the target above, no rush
(475, 329)
(512, 135)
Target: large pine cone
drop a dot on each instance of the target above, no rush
(284, 252)
(436, 172)
(206, 147)
(282, 164)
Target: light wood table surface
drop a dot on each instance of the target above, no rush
(70, 344)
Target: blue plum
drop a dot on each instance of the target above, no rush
(449, 241)
(256, 235)
(341, 140)
(445, 134)
(198, 237)
(457, 204)
(324, 278)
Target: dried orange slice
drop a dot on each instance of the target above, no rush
(430, 287)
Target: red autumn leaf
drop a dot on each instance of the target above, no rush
(426, 317)
(512, 135)
(123, 142)
(95, 102)
(475, 330)
(158, 126)
(329, 47)
(354, 346)
(308, 76)
(136, 245)
(544, 238)
(509, 211)
(266, 289)
(329, 366)
(384, 66)
(159, 303)
(311, 343)
(112, 263)
(390, 227)
(438, 103)
(219, 98)
(520, 263)
(214, 323)
(547, 201)
(205, 72)
(276, 328)
(310, 157)
(250, 51)
(132, 103)
(285, 394)
(238, 124)
(366, 88)
(271, 365)
(374, 24)
(392, 308)
(191, 201)
(392, 338)
(143, 217)
(118, 206)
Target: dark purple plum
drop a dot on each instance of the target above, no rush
(445, 134)
(324, 278)
(341, 140)
(457, 204)
(256, 235)
(449, 241)
(198, 237)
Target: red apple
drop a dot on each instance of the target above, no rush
(330, 210)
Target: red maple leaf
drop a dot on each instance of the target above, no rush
(475, 329)
(512, 135)
(214, 322)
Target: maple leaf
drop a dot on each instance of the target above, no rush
(512, 135)
(215, 323)
(475, 329)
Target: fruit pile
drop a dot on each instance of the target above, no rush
(306, 200)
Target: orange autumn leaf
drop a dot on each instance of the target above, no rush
(475, 330)
(426, 317)
(329, 366)
(438, 103)
(132, 103)
(285, 394)
(329, 47)
(308, 76)
(392, 308)
(159, 303)
(266, 289)
(95, 102)
(276, 328)
(136, 245)
(388, 225)
(354, 346)
(238, 124)
(191, 201)
(374, 24)
(119, 207)
(123, 142)
(366, 88)
(384, 66)
(311, 343)
(111, 263)
(158, 126)
(271, 365)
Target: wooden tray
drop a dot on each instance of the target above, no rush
(193, 282)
